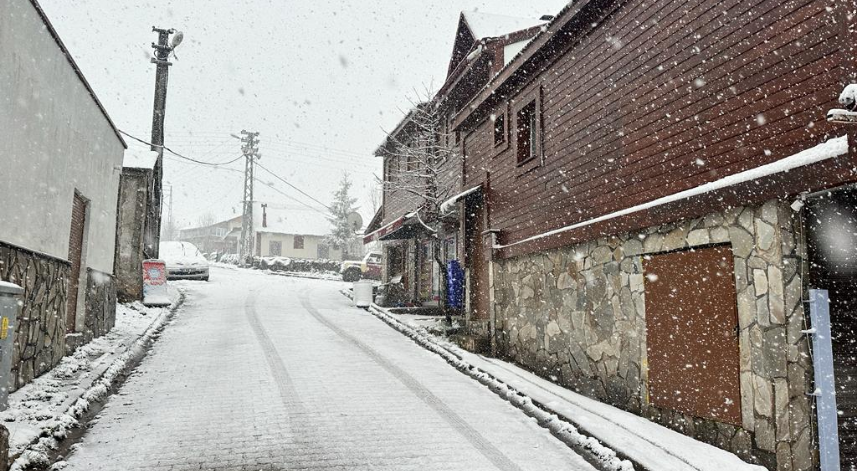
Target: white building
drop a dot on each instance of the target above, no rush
(60, 162)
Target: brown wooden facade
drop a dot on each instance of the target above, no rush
(637, 100)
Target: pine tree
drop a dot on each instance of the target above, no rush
(341, 233)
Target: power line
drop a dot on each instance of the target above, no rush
(180, 155)
(294, 187)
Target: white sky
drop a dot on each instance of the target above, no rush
(320, 81)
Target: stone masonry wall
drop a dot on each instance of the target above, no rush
(577, 315)
(100, 304)
(40, 329)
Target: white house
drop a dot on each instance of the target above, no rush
(60, 162)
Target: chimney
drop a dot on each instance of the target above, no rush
(264, 215)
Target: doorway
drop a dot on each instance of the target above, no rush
(692, 333)
(475, 257)
(831, 235)
(75, 255)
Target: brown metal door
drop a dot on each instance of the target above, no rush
(75, 249)
(476, 258)
(692, 325)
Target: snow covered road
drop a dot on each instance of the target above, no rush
(259, 372)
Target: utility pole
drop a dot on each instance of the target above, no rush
(169, 230)
(162, 48)
(250, 149)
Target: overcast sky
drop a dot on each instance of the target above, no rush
(319, 80)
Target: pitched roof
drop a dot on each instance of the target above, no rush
(292, 221)
(489, 25)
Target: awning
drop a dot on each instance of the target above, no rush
(446, 206)
(409, 226)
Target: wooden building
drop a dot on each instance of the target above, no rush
(483, 44)
(648, 175)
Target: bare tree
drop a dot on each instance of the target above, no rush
(418, 152)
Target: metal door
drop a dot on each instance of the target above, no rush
(691, 328)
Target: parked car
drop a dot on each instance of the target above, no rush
(184, 261)
(369, 267)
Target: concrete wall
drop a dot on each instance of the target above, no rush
(287, 241)
(55, 140)
(577, 315)
(128, 264)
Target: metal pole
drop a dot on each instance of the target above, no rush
(245, 244)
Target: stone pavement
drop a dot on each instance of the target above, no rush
(273, 373)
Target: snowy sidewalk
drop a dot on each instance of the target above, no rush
(649, 445)
(43, 411)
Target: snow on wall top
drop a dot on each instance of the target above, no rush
(826, 150)
(139, 156)
(292, 221)
(488, 25)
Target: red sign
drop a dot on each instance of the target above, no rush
(154, 272)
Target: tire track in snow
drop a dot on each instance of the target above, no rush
(480, 443)
(303, 432)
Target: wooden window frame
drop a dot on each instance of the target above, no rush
(536, 158)
(504, 132)
(295, 242)
(275, 243)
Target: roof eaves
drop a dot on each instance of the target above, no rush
(508, 71)
(67, 54)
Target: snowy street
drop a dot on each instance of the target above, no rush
(260, 372)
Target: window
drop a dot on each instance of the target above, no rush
(527, 133)
(299, 242)
(275, 248)
(500, 129)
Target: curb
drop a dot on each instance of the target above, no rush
(39, 451)
(588, 447)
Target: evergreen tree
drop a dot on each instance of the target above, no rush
(342, 234)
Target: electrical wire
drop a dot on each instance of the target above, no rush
(213, 164)
(292, 186)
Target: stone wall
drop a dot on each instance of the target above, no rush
(577, 315)
(40, 329)
(100, 304)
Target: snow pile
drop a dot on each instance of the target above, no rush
(565, 431)
(848, 97)
(43, 411)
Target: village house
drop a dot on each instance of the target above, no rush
(659, 188)
(278, 232)
(59, 211)
(484, 43)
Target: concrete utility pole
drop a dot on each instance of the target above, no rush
(251, 153)
(163, 48)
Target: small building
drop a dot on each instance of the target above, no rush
(61, 161)
(278, 232)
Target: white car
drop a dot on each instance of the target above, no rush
(184, 261)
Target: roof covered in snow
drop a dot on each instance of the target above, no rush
(292, 221)
(489, 25)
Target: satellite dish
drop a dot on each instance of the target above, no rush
(177, 39)
(355, 221)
